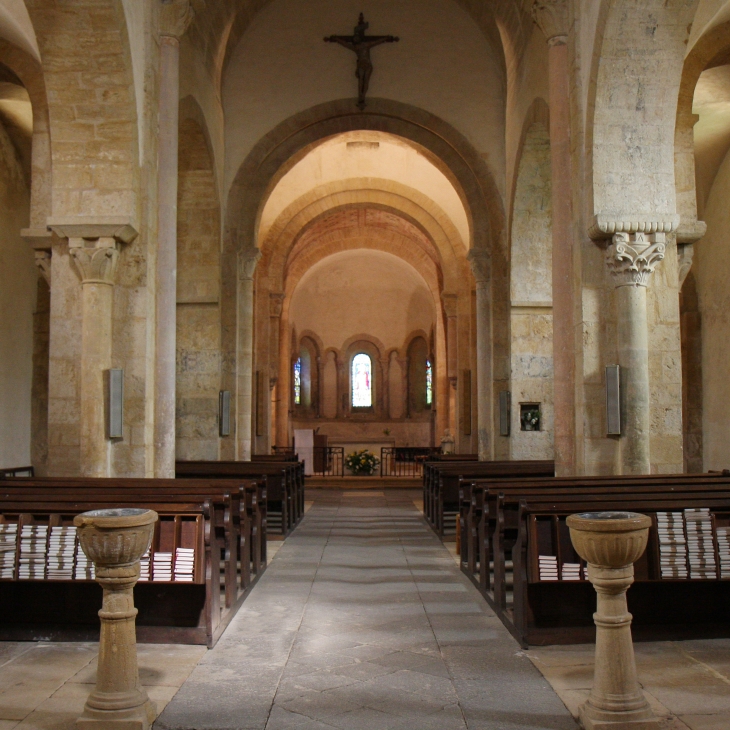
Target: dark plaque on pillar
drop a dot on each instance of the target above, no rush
(361, 44)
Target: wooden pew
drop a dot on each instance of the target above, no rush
(284, 484)
(496, 503)
(497, 529)
(551, 612)
(442, 482)
(169, 612)
(228, 499)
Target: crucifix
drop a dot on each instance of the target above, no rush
(361, 45)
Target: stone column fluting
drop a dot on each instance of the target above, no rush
(114, 540)
(247, 261)
(175, 16)
(94, 250)
(481, 266)
(552, 18)
(631, 258)
(611, 542)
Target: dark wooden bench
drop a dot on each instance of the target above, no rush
(442, 482)
(560, 611)
(491, 521)
(228, 527)
(284, 485)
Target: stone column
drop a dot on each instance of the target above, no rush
(320, 387)
(175, 16)
(452, 355)
(552, 18)
(631, 258)
(276, 304)
(481, 267)
(343, 389)
(385, 389)
(405, 381)
(42, 242)
(93, 248)
(247, 261)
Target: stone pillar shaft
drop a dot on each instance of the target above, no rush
(166, 265)
(631, 259)
(244, 355)
(96, 358)
(96, 266)
(562, 260)
(481, 267)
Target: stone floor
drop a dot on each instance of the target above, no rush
(687, 683)
(363, 620)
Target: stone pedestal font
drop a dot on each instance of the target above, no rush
(611, 542)
(115, 539)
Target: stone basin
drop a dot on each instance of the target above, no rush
(117, 536)
(609, 539)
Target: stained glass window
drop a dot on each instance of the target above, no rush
(429, 383)
(298, 381)
(362, 382)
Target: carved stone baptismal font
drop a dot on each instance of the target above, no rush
(115, 540)
(611, 542)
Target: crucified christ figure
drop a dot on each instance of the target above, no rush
(361, 45)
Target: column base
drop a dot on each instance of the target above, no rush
(135, 718)
(591, 718)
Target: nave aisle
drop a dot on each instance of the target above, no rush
(364, 620)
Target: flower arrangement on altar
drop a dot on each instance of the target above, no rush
(362, 462)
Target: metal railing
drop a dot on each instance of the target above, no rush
(328, 461)
(404, 461)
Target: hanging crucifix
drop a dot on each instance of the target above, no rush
(361, 45)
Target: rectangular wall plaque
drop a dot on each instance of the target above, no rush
(613, 400)
(505, 402)
(115, 412)
(224, 413)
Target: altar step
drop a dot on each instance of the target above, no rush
(375, 482)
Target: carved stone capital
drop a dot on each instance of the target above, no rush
(481, 265)
(175, 17)
(551, 16)
(43, 264)
(93, 244)
(276, 304)
(247, 261)
(632, 257)
(95, 264)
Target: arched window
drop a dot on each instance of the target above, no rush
(362, 381)
(429, 383)
(298, 382)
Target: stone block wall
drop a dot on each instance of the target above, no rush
(198, 299)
